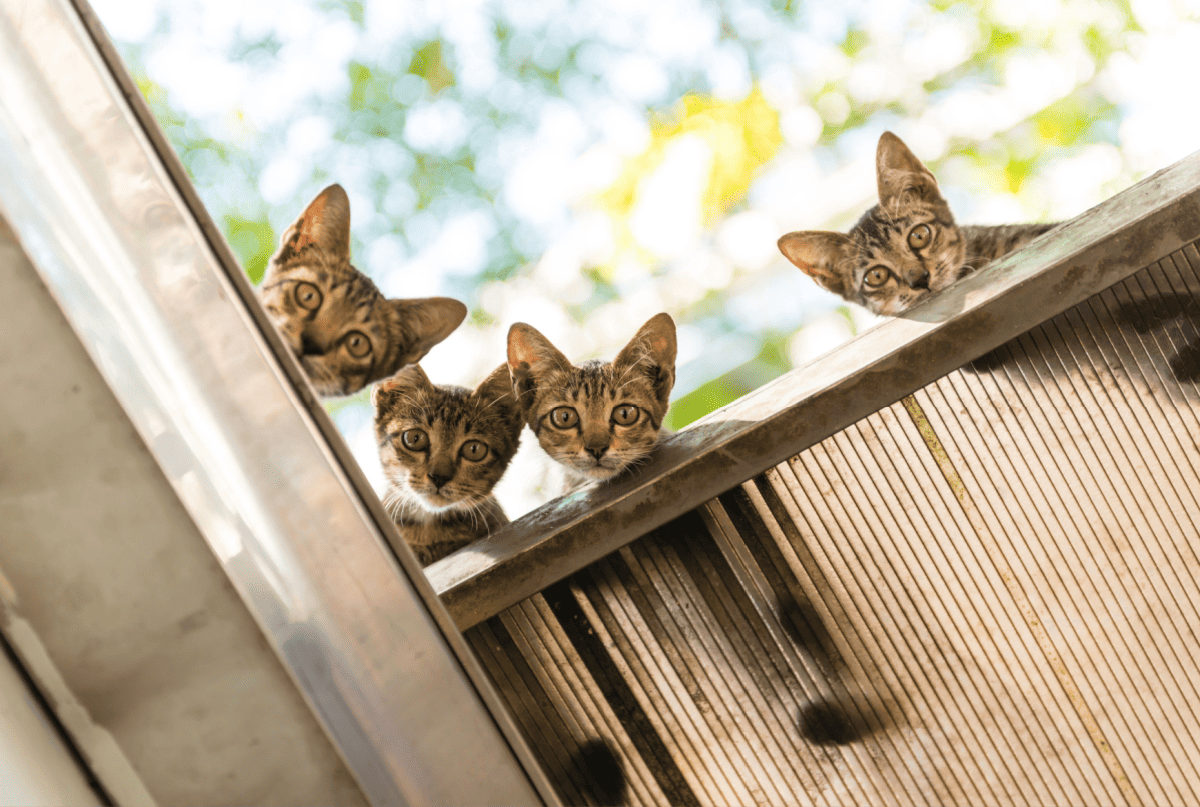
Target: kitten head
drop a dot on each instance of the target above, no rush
(900, 251)
(445, 446)
(345, 333)
(598, 418)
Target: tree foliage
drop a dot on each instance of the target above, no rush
(514, 154)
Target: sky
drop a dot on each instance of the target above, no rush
(581, 166)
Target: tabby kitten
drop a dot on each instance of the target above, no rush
(345, 333)
(599, 418)
(443, 449)
(907, 246)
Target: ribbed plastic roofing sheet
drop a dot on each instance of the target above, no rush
(985, 593)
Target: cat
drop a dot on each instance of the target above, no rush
(344, 332)
(600, 418)
(907, 246)
(443, 449)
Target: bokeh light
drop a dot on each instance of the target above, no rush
(583, 165)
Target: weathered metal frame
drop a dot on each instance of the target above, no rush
(1066, 266)
(105, 211)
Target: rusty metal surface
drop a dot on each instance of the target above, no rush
(985, 593)
(1079, 259)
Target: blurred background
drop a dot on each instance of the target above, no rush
(581, 165)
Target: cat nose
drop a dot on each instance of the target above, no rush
(596, 453)
(922, 281)
(308, 347)
(438, 480)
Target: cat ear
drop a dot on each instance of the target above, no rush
(530, 358)
(899, 172)
(424, 323)
(409, 380)
(325, 224)
(653, 348)
(821, 256)
(497, 389)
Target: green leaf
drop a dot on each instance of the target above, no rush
(360, 81)
(429, 63)
(699, 402)
(253, 242)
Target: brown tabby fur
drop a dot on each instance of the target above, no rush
(349, 334)
(908, 198)
(596, 447)
(439, 499)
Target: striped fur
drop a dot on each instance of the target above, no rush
(439, 497)
(345, 333)
(594, 445)
(907, 246)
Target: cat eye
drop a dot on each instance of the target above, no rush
(415, 440)
(357, 344)
(625, 415)
(876, 276)
(564, 417)
(920, 236)
(308, 296)
(474, 450)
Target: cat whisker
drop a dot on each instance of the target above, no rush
(408, 399)
(477, 518)
(645, 358)
(394, 507)
(490, 404)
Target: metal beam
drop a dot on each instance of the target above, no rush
(103, 209)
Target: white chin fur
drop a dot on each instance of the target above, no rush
(433, 506)
(440, 504)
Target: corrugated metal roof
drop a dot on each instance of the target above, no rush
(985, 593)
